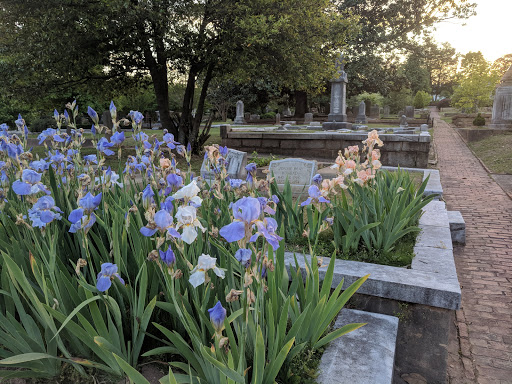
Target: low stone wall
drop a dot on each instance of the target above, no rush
(398, 150)
(465, 120)
(469, 135)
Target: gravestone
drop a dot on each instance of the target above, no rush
(386, 111)
(409, 111)
(239, 119)
(502, 105)
(337, 118)
(361, 114)
(424, 128)
(254, 117)
(247, 116)
(106, 119)
(375, 112)
(403, 122)
(237, 160)
(287, 112)
(157, 116)
(278, 118)
(299, 173)
(355, 110)
(308, 118)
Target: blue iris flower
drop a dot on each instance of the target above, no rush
(236, 183)
(66, 116)
(136, 116)
(44, 212)
(169, 140)
(30, 183)
(107, 274)
(84, 217)
(317, 179)
(168, 256)
(104, 145)
(117, 138)
(246, 212)
(162, 222)
(93, 130)
(113, 110)
(217, 316)
(147, 196)
(244, 257)
(93, 115)
(267, 228)
(90, 159)
(251, 172)
(314, 195)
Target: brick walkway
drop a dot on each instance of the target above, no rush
(482, 352)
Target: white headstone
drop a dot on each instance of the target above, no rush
(239, 119)
(237, 160)
(299, 173)
(308, 118)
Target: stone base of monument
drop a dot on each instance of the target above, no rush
(333, 125)
(501, 125)
(238, 121)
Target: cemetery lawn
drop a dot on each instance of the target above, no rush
(495, 152)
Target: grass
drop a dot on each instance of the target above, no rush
(495, 152)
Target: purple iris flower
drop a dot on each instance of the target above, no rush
(104, 145)
(267, 228)
(117, 138)
(168, 256)
(93, 130)
(141, 136)
(147, 196)
(56, 115)
(13, 150)
(169, 140)
(189, 148)
(107, 274)
(93, 115)
(244, 257)
(30, 183)
(236, 183)
(162, 222)
(146, 144)
(4, 179)
(223, 151)
(317, 179)
(245, 211)
(251, 171)
(44, 211)
(167, 204)
(217, 316)
(84, 217)
(136, 116)
(39, 165)
(275, 199)
(174, 182)
(91, 159)
(3, 129)
(113, 110)
(66, 116)
(314, 195)
(90, 202)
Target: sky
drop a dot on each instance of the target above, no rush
(489, 31)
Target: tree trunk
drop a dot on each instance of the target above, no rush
(301, 103)
(159, 77)
(186, 119)
(200, 108)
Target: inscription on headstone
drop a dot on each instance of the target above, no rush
(308, 118)
(237, 160)
(299, 173)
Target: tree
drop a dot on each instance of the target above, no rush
(417, 74)
(477, 82)
(502, 64)
(65, 43)
(421, 99)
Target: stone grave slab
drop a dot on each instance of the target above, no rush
(299, 173)
(237, 160)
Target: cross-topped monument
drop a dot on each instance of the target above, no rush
(337, 118)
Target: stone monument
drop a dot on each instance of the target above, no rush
(239, 119)
(308, 118)
(375, 112)
(287, 112)
(403, 122)
(337, 118)
(361, 114)
(502, 105)
(106, 119)
(409, 111)
(298, 172)
(386, 111)
(278, 118)
(237, 160)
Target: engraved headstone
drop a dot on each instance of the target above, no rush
(375, 112)
(247, 116)
(239, 119)
(278, 118)
(308, 118)
(386, 111)
(403, 122)
(254, 117)
(424, 127)
(409, 111)
(502, 105)
(106, 119)
(299, 173)
(237, 160)
(361, 114)
(337, 118)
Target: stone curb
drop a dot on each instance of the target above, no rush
(432, 279)
(363, 356)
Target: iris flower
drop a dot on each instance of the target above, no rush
(267, 228)
(162, 222)
(187, 219)
(44, 212)
(217, 316)
(30, 183)
(107, 274)
(168, 256)
(244, 257)
(246, 212)
(204, 264)
(117, 138)
(93, 115)
(104, 145)
(84, 217)
(314, 195)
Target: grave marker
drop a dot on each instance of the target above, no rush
(237, 160)
(299, 172)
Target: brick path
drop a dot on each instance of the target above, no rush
(482, 352)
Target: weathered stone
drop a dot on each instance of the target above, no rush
(287, 112)
(361, 114)
(363, 356)
(403, 122)
(278, 118)
(386, 111)
(502, 105)
(457, 227)
(298, 172)
(409, 111)
(375, 112)
(337, 117)
(239, 119)
(434, 186)
(308, 118)
(236, 162)
(424, 127)
(254, 117)
(106, 119)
